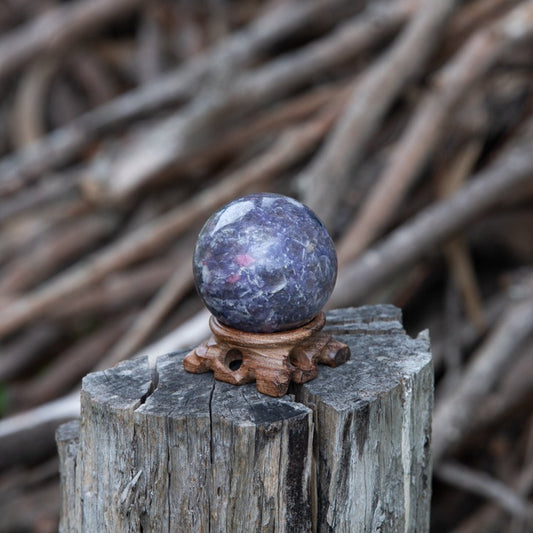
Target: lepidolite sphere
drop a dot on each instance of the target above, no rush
(264, 263)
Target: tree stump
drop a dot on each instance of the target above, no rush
(163, 450)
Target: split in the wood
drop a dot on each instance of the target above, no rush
(272, 360)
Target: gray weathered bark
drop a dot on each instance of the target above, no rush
(67, 438)
(163, 450)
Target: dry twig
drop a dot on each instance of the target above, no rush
(456, 250)
(181, 84)
(27, 119)
(65, 244)
(427, 125)
(26, 352)
(486, 486)
(168, 295)
(330, 173)
(514, 395)
(118, 291)
(453, 413)
(156, 152)
(57, 29)
(66, 371)
(509, 173)
(289, 149)
(489, 515)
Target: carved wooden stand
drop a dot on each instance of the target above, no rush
(273, 360)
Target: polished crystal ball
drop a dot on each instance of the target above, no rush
(264, 263)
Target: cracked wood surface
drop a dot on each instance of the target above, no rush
(163, 450)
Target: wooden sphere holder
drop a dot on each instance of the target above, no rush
(272, 360)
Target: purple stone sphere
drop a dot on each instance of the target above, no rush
(264, 263)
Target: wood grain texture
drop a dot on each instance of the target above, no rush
(67, 439)
(164, 450)
(372, 423)
(272, 360)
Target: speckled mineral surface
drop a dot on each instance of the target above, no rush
(264, 263)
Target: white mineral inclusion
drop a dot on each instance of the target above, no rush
(233, 213)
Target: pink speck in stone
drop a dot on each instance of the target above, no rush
(233, 278)
(244, 260)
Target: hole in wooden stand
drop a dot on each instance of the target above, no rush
(235, 365)
(234, 359)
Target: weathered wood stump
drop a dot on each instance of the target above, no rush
(168, 451)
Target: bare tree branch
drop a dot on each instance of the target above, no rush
(168, 295)
(56, 29)
(484, 485)
(154, 152)
(432, 226)
(181, 84)
(330, 173)
(427, 126)
(453, 413)
(290, 148)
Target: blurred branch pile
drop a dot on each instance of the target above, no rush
(407, 125)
